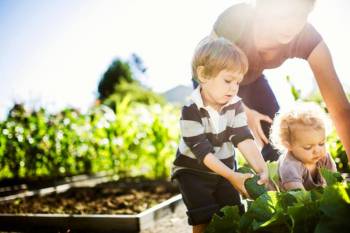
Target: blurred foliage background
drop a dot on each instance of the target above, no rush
(129, 131)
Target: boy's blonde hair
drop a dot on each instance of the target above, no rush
(216, 55)
(303, 114)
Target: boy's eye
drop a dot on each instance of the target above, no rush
(227, 81)
(321, 144)
(307, 148)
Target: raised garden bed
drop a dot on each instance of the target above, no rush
(21, 185)
(115, 206)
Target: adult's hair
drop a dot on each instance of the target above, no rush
(272, 2)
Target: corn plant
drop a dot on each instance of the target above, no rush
(135, 139)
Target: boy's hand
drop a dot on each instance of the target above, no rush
(264, 178)
(237, 180)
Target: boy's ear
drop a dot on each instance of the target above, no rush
(200, 74)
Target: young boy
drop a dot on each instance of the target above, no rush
(211, 125)
(300, 133)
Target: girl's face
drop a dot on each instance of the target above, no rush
(308, 144)
(280, 22)
(218, 90)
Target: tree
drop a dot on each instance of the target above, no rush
(118, 71)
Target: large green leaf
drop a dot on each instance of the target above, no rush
(335, 207)
(273, 173)
(264, 212)
(335, 202)
(328, 225)
(253, 188)
(301, 196)
(331, 177)
(228, 223)
(304, 217)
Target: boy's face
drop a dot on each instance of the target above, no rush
(218, 90)
(308, 144)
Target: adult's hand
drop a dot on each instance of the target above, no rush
(254, 119)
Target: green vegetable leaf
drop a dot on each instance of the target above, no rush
(331, 177)
(273, 173)
(228, 223)
(304, 216)
(335, 206)
(301, 196)
(335, 202)
(263, 212)
(245, 170)
(253, 188)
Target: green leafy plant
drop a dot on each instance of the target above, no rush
(135, 139)
(320, 210)
(253, 188)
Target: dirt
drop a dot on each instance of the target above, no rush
(133, 196)
(116, 197)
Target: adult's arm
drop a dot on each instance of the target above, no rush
(321, 63)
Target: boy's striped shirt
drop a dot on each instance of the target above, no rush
(204, 130)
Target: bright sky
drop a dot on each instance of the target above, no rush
(53, 53)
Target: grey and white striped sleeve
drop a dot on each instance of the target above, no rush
(193, 132)
(239, 130)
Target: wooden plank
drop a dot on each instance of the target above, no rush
(83, 223)
(93, 223)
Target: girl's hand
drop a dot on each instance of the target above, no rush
(254, 119)
(237, 180)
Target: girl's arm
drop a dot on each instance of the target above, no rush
(320, 61)
(293, 185)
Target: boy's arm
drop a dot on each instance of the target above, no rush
(242, 138)
(235, 178)
(193, 132)
(253, 156)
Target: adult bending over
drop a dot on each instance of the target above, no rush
(269, 33)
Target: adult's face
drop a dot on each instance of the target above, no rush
(279, 21)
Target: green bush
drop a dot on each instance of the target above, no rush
(138, 139)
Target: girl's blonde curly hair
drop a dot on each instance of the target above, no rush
(305, 114)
